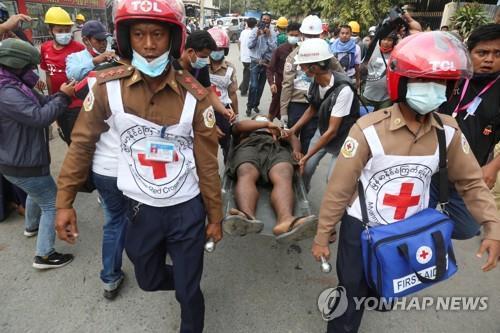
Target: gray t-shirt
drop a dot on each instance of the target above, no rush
(376, 81)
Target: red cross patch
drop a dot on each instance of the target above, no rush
(424, 254)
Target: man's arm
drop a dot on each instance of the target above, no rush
(205, 151)
(252, 40)
(13, 22)
(78, 65)
(233, 87)
(271, 70)
(304, 119)
(247, 126)
(342, 186)
(490, 171)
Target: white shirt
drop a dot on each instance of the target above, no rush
(344, 100)
(244, 50)
(357, 60)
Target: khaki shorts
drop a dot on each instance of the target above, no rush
(263, 152)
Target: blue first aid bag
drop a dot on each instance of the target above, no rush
(412, 254)
(406, 256)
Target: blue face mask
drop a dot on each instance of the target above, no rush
(154, 68)
(217, 55)
(308, 79)
(425, 97)
(63, 39)
(199, 63)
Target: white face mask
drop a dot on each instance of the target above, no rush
(425, 97)
(63, 38)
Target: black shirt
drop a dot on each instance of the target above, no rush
(482, 129)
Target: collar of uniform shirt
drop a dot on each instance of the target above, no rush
(167, 79)
(398, 121)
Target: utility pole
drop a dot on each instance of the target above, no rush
(202, 14)
(229, 7)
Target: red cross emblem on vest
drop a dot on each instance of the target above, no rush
(402, 201)
(216, 91)
(159, 167)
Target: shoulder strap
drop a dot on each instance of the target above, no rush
(443, 169)
(115, 96)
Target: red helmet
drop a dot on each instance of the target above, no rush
(431, 55)
(167, 11)
(220, 37)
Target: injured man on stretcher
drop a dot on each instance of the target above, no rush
(262, 156)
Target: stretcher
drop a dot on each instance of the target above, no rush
(265, 211)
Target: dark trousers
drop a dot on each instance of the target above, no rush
(225, 127)
(246, 78)
(178, 230)
(66, 122)
(274, 108)
(350, 274)
(295, 111)
(257, 84)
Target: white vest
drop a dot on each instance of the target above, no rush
(396, 187)
(152, 182)
(107, 150)
(222, 84)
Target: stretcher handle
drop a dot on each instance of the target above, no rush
(210, 245)
(325, 265)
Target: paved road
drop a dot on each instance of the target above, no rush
(250, 284)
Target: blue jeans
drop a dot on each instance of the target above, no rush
(465, 225)
(313, 162)
(295, 111)
(40, 209)
(257, 84)
(114, 204)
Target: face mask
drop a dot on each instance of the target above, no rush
(293, 40)
(30, 78)
(199, 63)
(154, 68)
(308, 79)
(425, 97)
(385, 50)
(217, 55)
(63, 39)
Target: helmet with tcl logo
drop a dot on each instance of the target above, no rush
(170, 12)
(426, 55)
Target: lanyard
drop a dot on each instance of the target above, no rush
(464, 90)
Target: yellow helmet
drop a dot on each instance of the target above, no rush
(80, 17)
(282, 22)
(57, 16)
(354, 26)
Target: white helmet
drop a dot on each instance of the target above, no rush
(372, 30)
(311, 25)
(313, 50)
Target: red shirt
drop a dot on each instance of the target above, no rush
(53, 62)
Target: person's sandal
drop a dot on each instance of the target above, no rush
(240, 223)
(305, 230)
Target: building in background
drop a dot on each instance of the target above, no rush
(91, 9)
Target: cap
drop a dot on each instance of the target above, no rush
(95, 29)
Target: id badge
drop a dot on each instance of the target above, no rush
(471, 110)
(157, 150)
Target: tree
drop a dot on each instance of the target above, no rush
(469, 17)
(365, 12)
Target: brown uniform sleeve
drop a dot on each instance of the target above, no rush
(341, 187)
(206, 147)
(88, 127)
(465, 172)
(233, 87)
(289, 72)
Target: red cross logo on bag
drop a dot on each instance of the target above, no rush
(424, 254)
(402, 201)
(159, 167)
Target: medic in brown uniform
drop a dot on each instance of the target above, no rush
(394, 153)
(165, 125)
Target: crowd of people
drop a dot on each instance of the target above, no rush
(144, 118)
